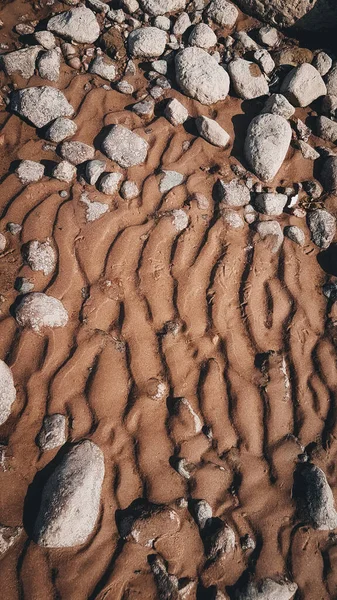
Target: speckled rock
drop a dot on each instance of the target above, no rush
(175, 112)
(109, 183)
(125, 147)
(271, 203)
(303, 85)
(247, 79)
(267, 589)
(143, 522)
(8, 537)
(295, 234)
(199, 76)
(7, 391)
(64, 171)
(277, 104)
(21, 61)
(61, 129)
(37, 310)
(93, 170)
(76, 152)
(29, 171)
(234, 193)
(169, 180)
(271, 230)
(329, 174)
(223, 13)
(53, 432)
(266, 145)
(161, 7)
(314, 498)
(78, 24)
(40, 256)
(104, 67)
(202, 36)
(322, 227)
(40, 105)
(147, 42)
(49, 64)
(326, 128)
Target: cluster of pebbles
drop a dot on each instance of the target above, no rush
(196, 48)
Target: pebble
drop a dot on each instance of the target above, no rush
(303, 85)
(40, 256)
(78, 24)
(250, 214)
(21, 61)
(273, 230)
(169, 180)
(76, 152)
(266, 145)
(23, 285)
(123, 146)
(104, 67)
(7, 391)
(232, 218)
(117, 16)
(160, 66)
(14, 228)
(267, 589)
(74, 488)
(144, 522)
(182, 467)
(202, 513)
(200, 77)
(313, 188)
(49, 64)
(212, 132)
(53, 432)
(248, 44)
(160, 7)
(247, 79)
(265, 61)
(277, 104)
(93, 170)
(180, 219)
(129, 190)
(8, 537)
(64, 171)
(3, 242)
(175, 112)
(144, 108)
(202, 36)
(322, 227)
(61, 129)
(307, 151)
(271, 204)
(147, 42)
(322, 62)
(29, 171)
(234, 193)
(167, 585)
(295, 234)
(326, 129)
(223, 13)
(269, 36)
(110, 182)
(182, 23)
(46, 39)
(40, 105)
(314, 498)
(124, 87)
(156, 92)
(98, 6)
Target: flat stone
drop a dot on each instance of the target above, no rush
(277, 104)
(266, 145)
(271, 203)
(175, 112)
(314, 498)
(109, 183)
(123, 146)
(271, 229)
(64, 171)
(322, 227)
(37, 310)
(326, 129)
(40, 105)
(169, 180)
(202, 36)
(49, 64)
(74, 488)
(7, 391)
(93, 170)
(21, 61)
(53, 432)
(8, 537)
(147, 42)
(161, 7)
(212, 132)
(78, 24)
(76, 152)
(144, 522)
(40, 256)
(303, 85)
(29, 171)
(295, 234)
(247, 79)
(200, 77)
(180, 219)
(104, 67)
(61, 129)
(267, 589)
(223, 13)
(233, 194)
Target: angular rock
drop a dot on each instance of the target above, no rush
(182, 23)
(266, 144)
(49, 64)
(144, 108)
(307, 151)
(212, 132)
(303, 85)
(269, 36)
(322, 62)
(61, 129)
(46, 39)
(247, 79)
(78, 24)
(41, 256)
(277, 104)
(110, 182)
(94, 209)
(7, 391)
(267, 589)
(331, 82)
(232, 218)
(53, 432)
(223, 13)
(8, 537)
(169, 180)
(3, 242)
(329, 174)
(21, 61)
(161, 7)
(29, 171)
(163, 23)
(326, 129)
(245, 41)
(200, 77)
(93, 170)
(71, 498)
(104, 67)
(271, 203)
(37, 310)
(64, 171)
(265, 61)
(314, 498)
(76, 152)
(175, 112)
(123, 146)
(144, 522)
(272, 229)
(124, 87)
(40, 105)
(147, 42)
(295, 234)
(234, 193)
(160, 66)
(202, 36)
(322, 227)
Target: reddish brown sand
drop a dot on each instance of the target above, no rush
(122, 278)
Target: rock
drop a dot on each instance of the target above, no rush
(293, 56)
(144, 522)
(322, 62)
(29, 171)
(330, 291)
(61, 129)
(223, 13)
(265, 61)
(322, 227)
(221, 541)
(129, 190)
(144, 108)
(175, 112)
(37, 310)
(307, 151)
(200, 77)
(3, 242)
(53, 432)
(266, 144)
(247, 79)
(160, 66)
(147, 42)
(46, 39)
(202, 513)
(8, 537)
(78, 24)
(76, 152)
(169, 180)
(183, 423)
(64, 171)
(40, 256)
(110, 182)
(312, 188)
(183, 467)
(303, 132)
(245, 41)
(49, 64)
(163, 23)
(124, 87)
(94, 209)
(314, 498)
(267, 589)
(250, 214)
(329, 174)
(232, 218)
(21, 61)
(272, 229)
(269, 36)
(277, 104)
(331, 81)
(329, 105)
(271, 204)
(131, 6)
(7, 391)
(93, 170)
(212, 132)
(14, 228)
(123, 146)
(104, 67)
(23, 285)
(303, 85)
(295, 234)
(234, 194)
(71, 498)
(40, 105)
(182, 23)
(167, 585)
(202, 36)
(161, 7)
(326, 129)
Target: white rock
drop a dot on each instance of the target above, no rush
(273, 230)
(49, 64)
(303, 85)
(199, 76)
(61, 129)
(147, 42)
(234, 193)
(267, 589)
(131, 6)
(124, 87)
(308, 151)
(76, 152)
(175, 112)
(144, 108)
(64, 171)
(202, 36)
(322, 62)
(163, 23)
(45, 39)
(94, 209)
(329, 174)
(180, 219)
(53, 432)
(269, 36)
(169, 180)
(223, 13)
(277, 104)
(265, 61)
(314, 498)
(40, 105)
(37, 310)
(161, 7)
(182, 23)
(3, 242)
(129, 190)
(93, 170)
(295, 234)
(41, 256)
(322, 227)
(110, 182)
(326, 129)
(7, 391)
(104, 67)
(331, 81)
(123, 146)
(71, 498)
(246, 41)
(329, 105)
(266, 145)
(29, 171)
(21, 61)
(271, 203)
(160, 66)
(202, 513)
(232, 218)
(212, 132)
(247, 79)
(78, 24)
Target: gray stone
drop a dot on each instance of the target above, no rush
(223, 13)
(271, 204)
(271, 229)
(71, 498)
(117, 16)
(78, 24)
(175, 112)
(46, 39)
(37, 310)
(123, 146)
(303, 85)
(110, 182)
(144, 522)
(277, 104)
(266, 145)
(269, 36)
(326, 129)
(94, 209)
(104, 67)
(76, 152)
(329, 105)
(160, 66)
(169, 180)
(93, 170)
(124, 87)
(64, 171)
(29, 171)
(144, 108)
(212, 132)
(264, 59)
(8, 537)
(182, 23)
(331, 81)
(322, 62)
(40, 105)
(23, 285)
(234, 194)
(232, 218)
(129, 190)
(267, 589)
(221, 541)
(53, 432)
(61, 129)
(99, 6)
(329, 174)
(199, 76)
(246, 42)
(7, 391)
(247, 79)
(163, 23)
(161, 7)
(322, 227)
(314, 498)
(308, 151)
(180, 219)
(49, 64)
(147, 42)
(21, 61)
(202, 36)
(41, 256)
(131, 6)
(295, 234)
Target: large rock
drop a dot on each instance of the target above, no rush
(37, 310)
(212, 132)
(147, 42)
(322, 227)
(202, 36)
(21, 61)
(266, 145)
(314, 498)
(7, 391)
(161, 7)
(40, 105)
(247, 79)
(303, 85)
(78, 24)
(199, 76)
(223, 13)
(267, 589)
(329, 174)
(71, 498)
(125, 147)
(308, 15)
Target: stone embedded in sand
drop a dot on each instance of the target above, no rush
(202, 513)
(267, 589)
(180, 219)
(64, 171)
(322, 227)
(123, 146)
(71, 498)
(232, 218)
(167, 585)
(202, 36)
(7, 391)
(40, 105)
(41, 256)
(21, 61)
(271, 203)
(322, 62)
(271, 229)
(184, 422)
(110, 182)
(147, 42)
(303, 85)
(144, 108)
(314, 498)
(331, 82)
(266, 145)
(200, 77)
(161, 7)
(104, 67)
(175, 112)
(49, 64)
(129, 190)
(169, 180)
(329, 174)
(29, 171)
(94, 209)
(46, 39)
(277, 104)
(3, 242)
(8, 537)
(53, 432)
(76, 152)
(93, 170)
(78, 24)
(37, 310)
(220, 541)
(295, 234)
(124, 87)
(223, 13)
(212, 132)
(144, 522)
(61, 129)
(247, 79)
(234, 193)
(326, 129)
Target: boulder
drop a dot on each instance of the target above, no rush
(247, 79)
(322, 227)
(147, 42)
